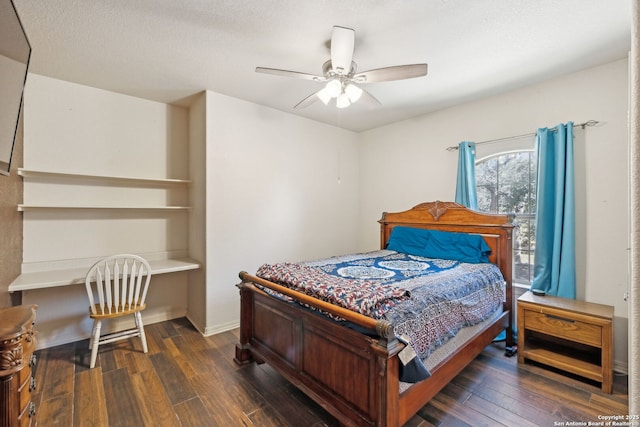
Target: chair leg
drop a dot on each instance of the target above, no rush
(140, 326)
(93, 333)
(94, 343)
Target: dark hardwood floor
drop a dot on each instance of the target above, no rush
(189, 380)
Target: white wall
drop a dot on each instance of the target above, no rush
(197, 293)
(406, 163)
(278, 188)
(76, 129)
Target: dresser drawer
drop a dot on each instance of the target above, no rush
(563, 327)
(27, 415)
(25, 373)
(25, 392)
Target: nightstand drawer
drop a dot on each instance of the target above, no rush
(563, 327)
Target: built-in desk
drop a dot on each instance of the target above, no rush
(73, 276)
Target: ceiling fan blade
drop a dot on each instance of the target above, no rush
(398, 72)
(287, 73)
(342, 44)
(307, 101)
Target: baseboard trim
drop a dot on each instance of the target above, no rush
(216, 329)
(621, 367)
(148, 318)
(223, 327)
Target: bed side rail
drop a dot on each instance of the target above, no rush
(382, 328)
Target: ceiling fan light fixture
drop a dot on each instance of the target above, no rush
(333, 88)
(324, 96)
(343, 101)
(353, 92)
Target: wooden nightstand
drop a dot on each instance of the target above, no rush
(573, 336)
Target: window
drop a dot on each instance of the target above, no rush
(506, 184)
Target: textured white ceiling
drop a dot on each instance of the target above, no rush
(167, 50)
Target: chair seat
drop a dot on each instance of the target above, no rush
(115, 311)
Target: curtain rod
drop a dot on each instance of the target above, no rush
(582, 125)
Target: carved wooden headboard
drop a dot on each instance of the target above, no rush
(496, 230)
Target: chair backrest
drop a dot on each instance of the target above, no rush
(118, 283)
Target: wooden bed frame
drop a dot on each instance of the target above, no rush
(354, 376)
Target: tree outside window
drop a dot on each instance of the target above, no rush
(506, 184)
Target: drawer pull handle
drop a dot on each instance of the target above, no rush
(551, 316)
(32, 409)
(32, 385)
(32, 360)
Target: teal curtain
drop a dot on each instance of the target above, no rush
(554, 271)
(466, 193)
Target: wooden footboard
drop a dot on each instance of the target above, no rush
(354, 375)
(351, 375)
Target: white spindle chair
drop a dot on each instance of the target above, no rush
(117, 286)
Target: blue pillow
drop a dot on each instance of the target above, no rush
(437, 244)
(408, 240)
(456, 246)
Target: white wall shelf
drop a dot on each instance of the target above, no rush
(26, 207)
(123, 180)
(120, 181)
(53, 277)
(74, 276)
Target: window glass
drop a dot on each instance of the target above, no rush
(506, 184)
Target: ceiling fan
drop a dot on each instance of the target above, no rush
(340, 75)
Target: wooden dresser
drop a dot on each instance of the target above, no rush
(573, 336)
(17, 364)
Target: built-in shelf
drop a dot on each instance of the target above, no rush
(117, 180)
(73, 272)
(25, 207)
(74, 276)
(28, 173)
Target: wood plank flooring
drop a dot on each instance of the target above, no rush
(189, 380)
